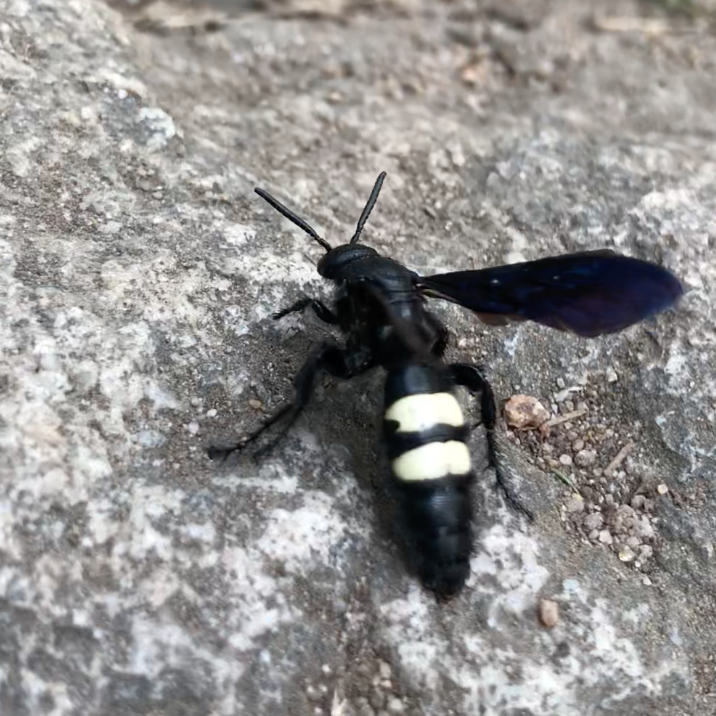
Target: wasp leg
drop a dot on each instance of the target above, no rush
(443, 337)
(441, 344)
(470, 377)
(320, 309)
(335, 361)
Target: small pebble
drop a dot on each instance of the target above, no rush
(646, 552)
(643, 528)
(646, 582)
(662, 489)
(560, 383)
(637, 502)
(193, 427)
(626, 554)
(565, 459)
(605, 537)
(548, 612)
(470, 74)
(211, 413)
(576, 504)
(395, 705)
(562, 395)
(593, 521)
(313, 693)
(255, 404)
(585, 458)
(377, 699)
(633, 542)
(385, 670)
(524, 411)
(578, 445)
(612, 376)
(589, 493)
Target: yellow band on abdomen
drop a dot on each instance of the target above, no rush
(415, 413)
(432, 461)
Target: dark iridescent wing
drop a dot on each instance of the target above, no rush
(588, 293)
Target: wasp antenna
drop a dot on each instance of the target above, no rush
(368, 207)
(276, 204)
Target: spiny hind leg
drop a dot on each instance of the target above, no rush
(470, 377)
(443, 336)
(319, 308)
(441, 344)
(338, 362)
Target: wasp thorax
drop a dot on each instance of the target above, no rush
(336, 259)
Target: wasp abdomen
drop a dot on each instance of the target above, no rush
(425, 436)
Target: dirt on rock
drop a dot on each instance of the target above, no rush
(138, 277)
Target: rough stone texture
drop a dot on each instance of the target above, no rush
(138, 275)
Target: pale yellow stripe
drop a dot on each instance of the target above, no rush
(415, 413)
(431, 461)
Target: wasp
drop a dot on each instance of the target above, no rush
(380, 308)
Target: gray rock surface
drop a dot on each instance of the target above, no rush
(138, 276)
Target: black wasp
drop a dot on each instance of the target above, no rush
(380, 308)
